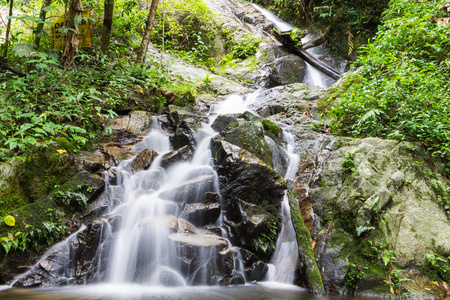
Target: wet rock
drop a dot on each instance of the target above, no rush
(143, 160)
(253, 227)
(249, 135)
(191, 191)
(282, 71)
(75, 260)
(223, 121)
(184, 153)
(255, 269)
(201, 214)
(169, 221)
(183, 137)
(152, 179)
(305, 249)
(136, 122)
(94, 162)
(193, 248)
(245, 176)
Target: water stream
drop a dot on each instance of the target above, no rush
(146, 259)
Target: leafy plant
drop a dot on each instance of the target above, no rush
(348, 165)
(71, 199)
(10, 221)
(404, 72)
(354, 274)
(437, 267)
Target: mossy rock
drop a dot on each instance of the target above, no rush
(37, 212)
(271, 127)
(329, 98)
(23, 181)
(249, 135)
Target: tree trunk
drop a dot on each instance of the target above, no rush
(148, 31)
(40, 26)
(72, 42)
(8, 30)
(290, 45)
(317, 41)
(107, 24)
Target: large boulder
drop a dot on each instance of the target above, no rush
(243, 175)
(251, 193)
(370, 202)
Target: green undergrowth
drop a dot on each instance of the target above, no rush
(187, 29)
(50, 103)
(402, 87)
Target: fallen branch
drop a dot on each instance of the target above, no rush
(317, 41)
(291, 46)
(11, 69)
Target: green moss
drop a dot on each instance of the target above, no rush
(304, 241)
(34, 177)
(43, 171)
(271, 127)
(329, 98)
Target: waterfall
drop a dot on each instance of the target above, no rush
(284, 261)
(313, 77)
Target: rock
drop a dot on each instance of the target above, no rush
(143, 160)
(184, 153)
(152, 179)
(386, 206)
(183, 137)
(282, 71)
(202, 240)
(206, 212)
(305, 251)
(169, 221)
(94, 162)
(223, 121)
(249, 135)
(190, 191)
(255, 269)
(245, 176)
(136, 122)
(191, 249)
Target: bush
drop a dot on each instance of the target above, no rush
(405, 78)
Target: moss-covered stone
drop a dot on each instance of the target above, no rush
(249, 135)
(23, 181)
(271, 127)
(305, 251)
(328, 99)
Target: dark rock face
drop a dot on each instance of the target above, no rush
(74, 261)
(184, 153)
(252, 194)
(206, 212)
(223, 121)
(243, 175)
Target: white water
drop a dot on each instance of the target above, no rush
(313, 77)
(279, 24)
(284, 260)
(150, 207)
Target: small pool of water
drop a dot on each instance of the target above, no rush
(264, 291)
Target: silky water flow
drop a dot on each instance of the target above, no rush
(150, 208)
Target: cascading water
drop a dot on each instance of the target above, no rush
(284, 260)
(313, 77)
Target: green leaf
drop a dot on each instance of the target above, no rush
(10, 221)
(23, 50)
